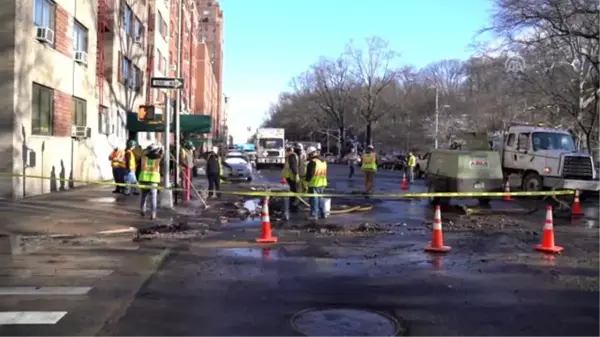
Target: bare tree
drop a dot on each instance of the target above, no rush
(561, 34)
(329, 84)
(373, 72)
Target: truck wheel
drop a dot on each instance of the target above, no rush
(436, 200)
(532, 182)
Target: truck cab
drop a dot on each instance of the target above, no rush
(545, 157)
(270, 147)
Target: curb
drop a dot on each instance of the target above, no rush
(156, 261)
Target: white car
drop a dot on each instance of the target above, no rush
(240, 164)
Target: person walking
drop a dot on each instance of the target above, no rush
(352, 159)
(214, 172)
(369, 167)
(151, 166)
(316, 177)
(186, 163)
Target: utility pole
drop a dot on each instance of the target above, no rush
(179, 95)
(437, 115)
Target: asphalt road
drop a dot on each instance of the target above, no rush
(367, 271)
(491, 283)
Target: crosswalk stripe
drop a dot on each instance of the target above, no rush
(63, 272)
(31, 317)
(10, 291)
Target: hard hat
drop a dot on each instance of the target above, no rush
(153, 147)
(189, 144)
(371, 147)
(299, 146)
(311, 149)
(131, 143)
(289, 146)
(215, 149)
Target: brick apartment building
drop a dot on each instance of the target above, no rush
(71, 72)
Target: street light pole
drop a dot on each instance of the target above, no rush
(437, 115)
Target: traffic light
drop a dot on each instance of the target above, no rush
(146, 113)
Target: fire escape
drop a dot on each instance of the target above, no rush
(103, 28)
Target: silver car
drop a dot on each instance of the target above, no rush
(241, 166)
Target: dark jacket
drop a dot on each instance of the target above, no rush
(212, 164)
(293, 163)
(310, 168)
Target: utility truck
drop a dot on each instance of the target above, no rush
(270, 147)
(545, 158)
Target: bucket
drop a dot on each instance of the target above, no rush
(327, 205)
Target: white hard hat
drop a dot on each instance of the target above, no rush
(370, 147)
(299, 146)
(215, 149)
(311, 149)
(152, 147)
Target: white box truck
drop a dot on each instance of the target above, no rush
(270, 147)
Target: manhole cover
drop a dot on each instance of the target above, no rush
(344, 322)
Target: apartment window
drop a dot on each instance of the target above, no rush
(127, 17)
(42, 110)
(159, 59)
(79, 112)
(162, 26)
(125, 69)
(103, 121)
(44, 13)
(138, 30)
(80, 37)
(136, 83)
(164, 62)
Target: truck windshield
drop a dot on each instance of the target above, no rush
(553, 141)
(270, 143)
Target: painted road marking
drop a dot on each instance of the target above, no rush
(10, 291)
(42, 272)
(118, 231)
(31, 317)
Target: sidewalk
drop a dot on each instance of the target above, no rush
(81, 211)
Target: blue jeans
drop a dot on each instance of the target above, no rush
(149, 191)
(317, 205)
(130, 179)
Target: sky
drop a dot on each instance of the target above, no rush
(268, 42)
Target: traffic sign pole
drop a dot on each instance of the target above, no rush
(166, 195)
(177, 114)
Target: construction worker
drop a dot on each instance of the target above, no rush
(316, 177)
(138, 152)
(302, 162)
(151, 166)
(291, 175)
(369, 167)
(214, 172)
(411, 162)
(116, 159)
(186, 163)
(130, 167)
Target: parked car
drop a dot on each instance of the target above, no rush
(330, 158)
(241, 166)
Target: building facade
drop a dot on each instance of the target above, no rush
(210, 55)
(72, 70)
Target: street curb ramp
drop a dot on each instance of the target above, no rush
(155, 262)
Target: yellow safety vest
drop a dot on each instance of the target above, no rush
(412, 161)
(287, 172)
(369, 162)
(150, 172)
(319, 179)
(131, 160)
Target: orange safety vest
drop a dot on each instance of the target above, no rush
(117, 158)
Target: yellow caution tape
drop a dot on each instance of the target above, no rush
(325, 195)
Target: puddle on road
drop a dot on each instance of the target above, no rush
(253, 253)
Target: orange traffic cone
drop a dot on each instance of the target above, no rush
(547, 245)
(437, 241)
(576, 208)
(266, 233)
(404, 182)
(507, 190)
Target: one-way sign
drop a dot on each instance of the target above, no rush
(166, 83)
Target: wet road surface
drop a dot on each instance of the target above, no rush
(491, 283)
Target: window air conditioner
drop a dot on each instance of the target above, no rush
(81, 57)
(44, 35)
(80, 132)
